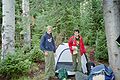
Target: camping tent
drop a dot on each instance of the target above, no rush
(63, 58)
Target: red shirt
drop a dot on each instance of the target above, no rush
(72, 42)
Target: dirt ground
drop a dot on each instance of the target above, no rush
(39, 75)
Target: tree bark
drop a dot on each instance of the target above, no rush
(0, 23)
(8, 27)
(112, 28)
(26, 23)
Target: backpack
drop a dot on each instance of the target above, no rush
(81, 76)
(101, 72)
(62, 74)
(89, 66)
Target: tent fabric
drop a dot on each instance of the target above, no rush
(102, 69)
(63, 54)
(67, 66)
(84, 62)
(63, 59)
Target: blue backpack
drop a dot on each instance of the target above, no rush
(102, 70)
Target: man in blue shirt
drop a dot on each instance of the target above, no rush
(47, 45)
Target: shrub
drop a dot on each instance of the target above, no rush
(101, 47)
(35, 54)
(14, 65)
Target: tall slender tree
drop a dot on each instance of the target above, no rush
(0, 20)
(8, 27)
(26, 23)
(112, 28)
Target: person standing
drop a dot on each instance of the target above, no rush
(47, 45)
(77, 48)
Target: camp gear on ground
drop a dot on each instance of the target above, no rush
(62, 74)
(80, 76)
(101, 71)
(90, 65)
(99, 77)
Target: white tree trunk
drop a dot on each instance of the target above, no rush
(8, 27)
(26, 23)
(112, 28)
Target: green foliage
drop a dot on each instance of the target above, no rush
(14, 65)
(0, 12)
(21, 78)
(101, 49)
(35, 55)
(19, 63)
(92, 27)
(64, 16)
(57, 13)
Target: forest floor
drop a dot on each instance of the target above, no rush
(39, 74)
